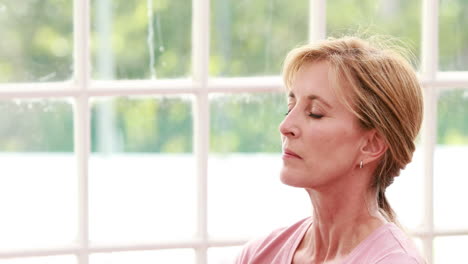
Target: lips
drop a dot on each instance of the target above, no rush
(287, 153)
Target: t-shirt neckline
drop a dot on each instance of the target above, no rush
(353, 252)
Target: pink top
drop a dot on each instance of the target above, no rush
(385, 245)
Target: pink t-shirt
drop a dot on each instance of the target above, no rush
(387, 244)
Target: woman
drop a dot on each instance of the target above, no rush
(354, 111)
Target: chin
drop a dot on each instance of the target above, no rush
(294, 179)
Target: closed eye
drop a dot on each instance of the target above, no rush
(315, 116)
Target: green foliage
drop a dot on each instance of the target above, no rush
(399, 18)
(248, 38)
(246, 123)
(453, 37)
(36, 40)
(452, 118)
(251, 38)
(143, 125)
(128, 44)
(36, 126)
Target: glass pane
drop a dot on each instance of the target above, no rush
(397, 18)
(450, 250)
(223, 255)
(252, 37)
(247, 123)
(172, 256)
(41, 260)
(450, 169)
(36, 126)
(142, 171)
(38, 182)
(37, 41)
(406, 194)
(418, 242)
(141, 39)
(244, 161)
(453, 37)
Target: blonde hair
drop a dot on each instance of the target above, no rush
(384, 94)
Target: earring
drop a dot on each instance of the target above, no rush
(360, 165)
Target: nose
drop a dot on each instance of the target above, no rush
(289, 127)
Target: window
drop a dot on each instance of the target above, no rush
(142, 131)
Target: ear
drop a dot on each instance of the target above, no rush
(373, 147)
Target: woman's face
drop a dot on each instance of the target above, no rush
(321, 138)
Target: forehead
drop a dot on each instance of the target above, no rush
(313, 79)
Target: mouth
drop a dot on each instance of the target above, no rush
(289, 154)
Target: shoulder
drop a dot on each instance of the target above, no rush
(399, 258)
(275, 245)
(387, 245)
(402, 248)
(397, 247)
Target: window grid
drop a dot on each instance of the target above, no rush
(81, 59)
(82, 88)
(429, 67)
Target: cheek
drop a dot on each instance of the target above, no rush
(333, 140)
(326, 136)
(347, 147)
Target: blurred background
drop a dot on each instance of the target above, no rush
(153, 195)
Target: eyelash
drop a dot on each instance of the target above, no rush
(311, 115)
(315, 116)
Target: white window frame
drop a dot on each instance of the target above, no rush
(81, 88)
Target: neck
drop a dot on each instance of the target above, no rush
(343, 216)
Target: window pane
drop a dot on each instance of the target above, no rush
(247, 123)
(141, 39)
(244, 165)
(142, 172)
(38, 182)
(406, 194)
(223, 255)
(252, 37)
(36, 126)
(453, 37)
(397, 18)
(41, 260)
(450, 168)
(36, 41)
(450, 250)
(173, 256)
(418, 242)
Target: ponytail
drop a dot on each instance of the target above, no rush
(385, 208)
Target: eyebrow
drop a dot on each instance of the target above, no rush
(312, 97)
